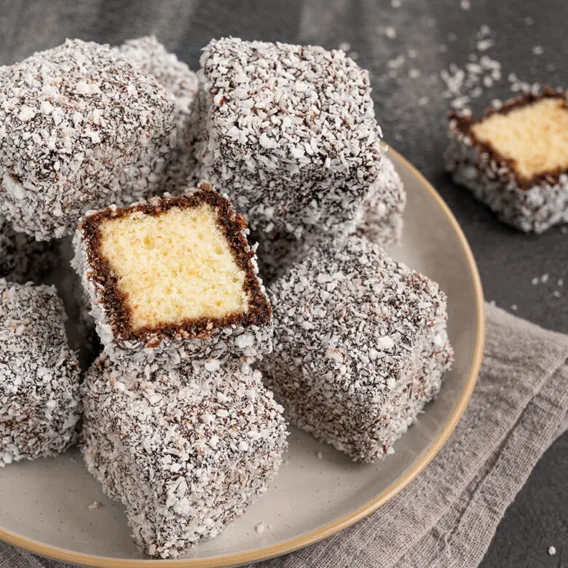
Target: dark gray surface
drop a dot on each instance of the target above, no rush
(508, 260)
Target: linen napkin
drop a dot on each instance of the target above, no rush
(447, 517)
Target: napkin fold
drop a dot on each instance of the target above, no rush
(447, 517)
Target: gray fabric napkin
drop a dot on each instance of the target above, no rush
(448, 515)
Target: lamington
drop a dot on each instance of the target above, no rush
(360, 346)
(39, 390)
(514, 158)
(186, 451)
(80, 127)
(22, 258)
(174, 278)
(148, 54)
(289, 132)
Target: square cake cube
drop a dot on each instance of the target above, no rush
(514, 159)
(174, 278)
(360, 346)
(289, 131)
(185, 450)
(39, 386)
(80, 127)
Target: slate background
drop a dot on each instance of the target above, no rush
(508, 260)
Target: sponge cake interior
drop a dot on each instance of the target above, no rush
(174, 266)
(534, 136)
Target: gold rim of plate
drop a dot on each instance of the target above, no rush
(343, 522)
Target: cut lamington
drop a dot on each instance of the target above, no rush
(360, 346)
(290, 132)
(39, 375)
(515, 159)
(148, 54)
(185, 451)
(80, 127)
(174, 278)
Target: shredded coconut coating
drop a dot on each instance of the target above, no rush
(39, 390)
(185, 450)
(381, 213)
(279, 250)
(493, 182)
(289, 132)
(149, 55)
(22, 258)
(360, 346)
(380, 221)
(250, 341)
(80, 127)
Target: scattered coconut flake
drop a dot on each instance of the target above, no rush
(388, 31)
(514, 307)
(538, 50)
(261, 527)
(552, 550)
(484, 44)
(481, 72)
(94, 505)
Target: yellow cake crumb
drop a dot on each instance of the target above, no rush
(534, 136)
(173, 267)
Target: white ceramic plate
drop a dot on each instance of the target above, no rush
(44, 504)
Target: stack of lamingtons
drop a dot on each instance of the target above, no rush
(177, 424)
(178, 420)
